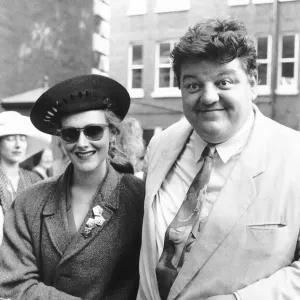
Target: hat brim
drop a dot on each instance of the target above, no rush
(21, 125)
(78, 94)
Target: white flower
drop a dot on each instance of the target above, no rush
(97, 210)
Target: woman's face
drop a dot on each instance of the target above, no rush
(46, 159)
(85, 154)
(13, 148)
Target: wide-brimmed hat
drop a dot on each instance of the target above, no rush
(78, 94)
(12, 122)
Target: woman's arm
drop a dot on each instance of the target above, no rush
(19, 276)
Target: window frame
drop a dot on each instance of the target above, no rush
(135, 9)
(238, 2)
(164, 92)
(135, 92)
(288, 89)
(161, 7)
(265, 89)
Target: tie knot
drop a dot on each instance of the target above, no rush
(208, 151)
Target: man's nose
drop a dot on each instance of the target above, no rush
(209, 94)
(82, 140)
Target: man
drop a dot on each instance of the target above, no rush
(234, 235)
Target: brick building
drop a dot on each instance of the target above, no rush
(53, 39)
(144, 32)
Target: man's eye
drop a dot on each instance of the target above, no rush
(225, 83)
(193, 86)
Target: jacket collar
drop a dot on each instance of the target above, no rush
(105, 189)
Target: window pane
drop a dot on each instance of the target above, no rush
(164, 77)
(262, 47)
(164, 53)
(262, 74)
(96, 59)
(137, 78)
(97, 22)
(287, 74)
(287, 70)
(137, 55)
(288, 46)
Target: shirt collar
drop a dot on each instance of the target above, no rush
(229, 148)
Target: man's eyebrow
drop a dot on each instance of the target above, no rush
(226, 72)
(187, 76)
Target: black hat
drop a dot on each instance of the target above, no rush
(78, 94)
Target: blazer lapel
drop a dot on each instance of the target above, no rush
(54, 214)
(108, 199)
(234, 200)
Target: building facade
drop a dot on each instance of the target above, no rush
(144, 32)
(43, 42)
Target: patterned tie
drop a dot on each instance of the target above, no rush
(181, 233)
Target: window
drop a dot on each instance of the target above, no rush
(264, 53)
(163, 6)
(261, 1)
(101, 27)
(244, 2)
(136, 67)
(238, 2)
(100, 62)
(137, 7)
(288, 64)
(165, 79)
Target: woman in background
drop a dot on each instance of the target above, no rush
(43, 163)
(18, 141)
(77, 236)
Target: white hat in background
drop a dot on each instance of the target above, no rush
(12, 122)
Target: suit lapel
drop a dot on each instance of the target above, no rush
(234, 200)
(165, 158)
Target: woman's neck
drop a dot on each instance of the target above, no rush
(89, 180)
(10, 169)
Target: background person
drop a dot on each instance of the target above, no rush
(131, 143)
(78, 235)
(43, 163)
(18, 141)
(222, 194)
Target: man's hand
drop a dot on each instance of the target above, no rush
(222, 297)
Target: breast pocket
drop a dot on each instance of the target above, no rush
(266, 239)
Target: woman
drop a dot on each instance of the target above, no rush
(18, 141)
(77, 236)
(43, 163)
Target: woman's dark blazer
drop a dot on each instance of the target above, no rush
(39, 259)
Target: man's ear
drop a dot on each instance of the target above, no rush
(253, 85)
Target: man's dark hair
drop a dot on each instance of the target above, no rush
(217, 40)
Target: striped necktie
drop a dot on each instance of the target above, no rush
(181, 232)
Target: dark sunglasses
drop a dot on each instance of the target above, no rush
(93, 132)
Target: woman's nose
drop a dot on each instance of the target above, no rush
(82, 140)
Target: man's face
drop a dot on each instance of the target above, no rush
(217, 98)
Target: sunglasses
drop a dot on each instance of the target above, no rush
(93, 132)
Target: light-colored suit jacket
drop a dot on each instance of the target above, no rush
(250, 243)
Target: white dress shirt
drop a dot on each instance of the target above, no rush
(177, 182)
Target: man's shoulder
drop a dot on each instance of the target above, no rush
(171, 131)
(281, 133)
